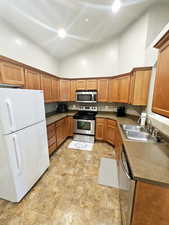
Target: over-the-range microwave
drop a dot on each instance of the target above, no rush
(86, 96)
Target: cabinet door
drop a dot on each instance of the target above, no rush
(11, 74)
(110, 131)
(51, 132)
(46, 84)
(113, 92)
(73, 90)
(64, 90)
(161, 90)
(132, 87)
(59, 132)
(150, 205)
(81, 84)
(103, 90)
(91, 84)
(70, 125)
(139, 87)
(100, 129)
(124, 88)
(55, 89)
(32, 79)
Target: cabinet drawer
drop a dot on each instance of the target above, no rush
(52, 148)
(51, 131)
(52, 140)
(100, 120)
(111, 122)
(60, 123)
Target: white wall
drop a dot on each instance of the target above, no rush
(132, 45)
(101, 60)
(121, 54)
(14, 45)
(158, 18)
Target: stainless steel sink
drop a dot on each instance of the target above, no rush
(132, 128)
(139, 136)
(137, 133)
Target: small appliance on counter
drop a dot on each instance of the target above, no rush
(121, 111)
(62, 107)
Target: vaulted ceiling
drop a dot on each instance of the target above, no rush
(87, 22)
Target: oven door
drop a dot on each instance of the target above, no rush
(85, 126)
(86, 97)
(127, 187)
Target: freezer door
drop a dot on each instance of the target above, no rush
(20, 108)
(28, 157)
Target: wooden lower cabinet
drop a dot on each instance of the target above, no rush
(57, 132)
(106, 130)
(110, 131)
(150, 206)
(100, 129)
(60, 131)
(70, 126)
(51, 133)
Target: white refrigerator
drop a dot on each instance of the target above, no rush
(23, 141)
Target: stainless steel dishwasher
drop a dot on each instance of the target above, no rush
(127, 188)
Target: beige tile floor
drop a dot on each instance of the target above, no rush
(68, 193)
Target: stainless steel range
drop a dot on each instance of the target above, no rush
(85, 123)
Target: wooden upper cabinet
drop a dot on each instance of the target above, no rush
(64, 90)
(103, 85)
(32, 79)
(11, 74)
(91, 84)
(81, 84)
(119, 89)
(161, 89)
(113, 91)
(139, 87)
(73, 90)
(55, 89)
(46, 85)
(124, 89)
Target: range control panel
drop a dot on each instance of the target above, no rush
(88, 108)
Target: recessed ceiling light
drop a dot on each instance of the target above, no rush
(87, 20)
(116, 6)
(62, 33)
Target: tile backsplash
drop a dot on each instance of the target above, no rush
(111, 107)
(50, 107)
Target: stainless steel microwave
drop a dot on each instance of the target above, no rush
(86, 96)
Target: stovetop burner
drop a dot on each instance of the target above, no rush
(85, 115)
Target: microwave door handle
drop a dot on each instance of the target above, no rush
(123, 167)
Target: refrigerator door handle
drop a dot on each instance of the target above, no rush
(10, 113)
(17, 154)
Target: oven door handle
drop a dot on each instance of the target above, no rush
(123, 167)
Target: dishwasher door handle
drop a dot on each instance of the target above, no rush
(123, 167)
